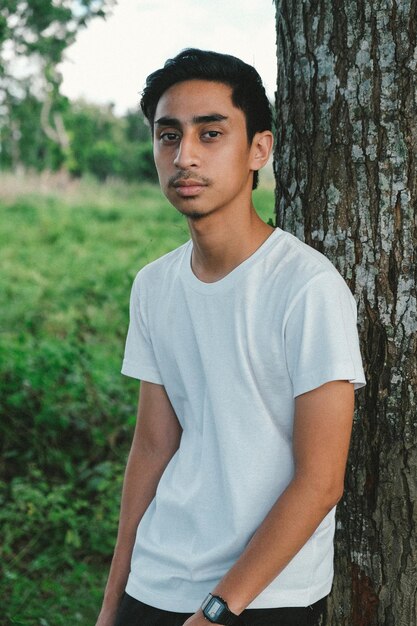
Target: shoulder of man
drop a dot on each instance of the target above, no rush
(153, 271)
(303, 267)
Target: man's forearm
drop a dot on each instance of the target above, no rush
(156, 439)
(322, 427)
(143, 472)
(287, 527)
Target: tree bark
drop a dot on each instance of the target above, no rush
(346, 173)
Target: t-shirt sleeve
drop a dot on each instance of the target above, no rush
(321, 336)
(139, 357)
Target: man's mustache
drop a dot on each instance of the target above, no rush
(182, 175)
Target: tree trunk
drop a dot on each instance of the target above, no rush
(346, 173)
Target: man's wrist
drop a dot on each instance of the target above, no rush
(233, 597)
(217, 611)
(112, 598)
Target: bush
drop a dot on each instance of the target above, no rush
(137, 163)
(104, 160)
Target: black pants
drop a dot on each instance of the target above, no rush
(134, 613)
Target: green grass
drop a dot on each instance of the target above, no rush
(69, 254)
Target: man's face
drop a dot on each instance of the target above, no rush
(201, 148)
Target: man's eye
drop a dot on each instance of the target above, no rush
(212, 134)
(168, 137)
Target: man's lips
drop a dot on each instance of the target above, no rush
(189, 187)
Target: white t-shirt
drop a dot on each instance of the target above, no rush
(232, 356)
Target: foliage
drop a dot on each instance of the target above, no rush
(33, 37)
(106, 145)
(41, 129)
(99, 142)
(70, 596)
(22, 140)
(39, 31)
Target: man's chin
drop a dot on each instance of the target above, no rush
(191, 212)
(194, 215)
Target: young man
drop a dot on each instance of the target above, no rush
(246, 344)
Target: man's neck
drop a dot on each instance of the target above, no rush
(221, 244)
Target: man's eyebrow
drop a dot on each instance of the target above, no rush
(204, 119)
(167, 121)
(198, 119)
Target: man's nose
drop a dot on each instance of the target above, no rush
(187, 153)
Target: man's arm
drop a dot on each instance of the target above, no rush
(156, 439)
(322, 429)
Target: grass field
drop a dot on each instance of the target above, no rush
(69, 251)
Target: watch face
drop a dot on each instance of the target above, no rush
(214, 609)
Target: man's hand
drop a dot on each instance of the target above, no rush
(106, 617)
(197, 619)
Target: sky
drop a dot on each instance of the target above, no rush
(111, 58)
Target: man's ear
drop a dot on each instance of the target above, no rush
(262, 144)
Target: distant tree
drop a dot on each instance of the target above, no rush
(23, 140)
(137, 162)
(137, 128)
(346, 173)
(104, 144)
(33, 37)
(40, 128)
(95, 134)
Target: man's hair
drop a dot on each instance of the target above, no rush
(248, 92)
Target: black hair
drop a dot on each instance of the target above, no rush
(248, 92)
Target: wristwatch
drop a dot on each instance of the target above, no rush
(215, 609)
